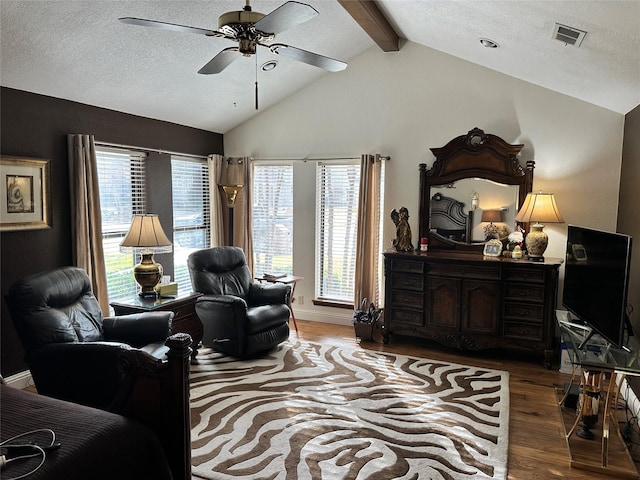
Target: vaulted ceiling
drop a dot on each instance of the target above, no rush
(78, 50)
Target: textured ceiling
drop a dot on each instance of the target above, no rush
(77, 50)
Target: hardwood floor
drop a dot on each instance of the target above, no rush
(537, 447)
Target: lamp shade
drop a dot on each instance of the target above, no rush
(491, 216)
(539, 208)
(145, 234)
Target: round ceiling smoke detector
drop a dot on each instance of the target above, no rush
(488, 43)
(268, 66)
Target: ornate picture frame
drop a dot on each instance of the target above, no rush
(24, 193)
(493, 248)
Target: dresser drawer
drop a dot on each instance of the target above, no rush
(408, 266)
(523, 331)
(484, 272)
(406, 317)
(405, 281)
(522, 275)
(402, 298)
(528, 293)
(183, 311)
(524, 311)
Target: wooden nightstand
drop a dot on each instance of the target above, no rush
(183, 306)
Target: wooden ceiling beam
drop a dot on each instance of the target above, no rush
(371, 19)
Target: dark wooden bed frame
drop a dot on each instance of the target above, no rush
(156, 395)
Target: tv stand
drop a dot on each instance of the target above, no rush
(591, 356)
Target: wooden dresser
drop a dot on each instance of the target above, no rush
(469, 301)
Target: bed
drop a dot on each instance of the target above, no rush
(447, 218)
(94, 444)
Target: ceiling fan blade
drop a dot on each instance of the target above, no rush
(170, 26)
(286, 16)
(314, 59)
(221, 61)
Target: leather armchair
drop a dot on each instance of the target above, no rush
(124, 364)
(73, 352)
(239, 316)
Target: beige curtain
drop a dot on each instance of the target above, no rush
(247, 209)
(238, 171)
(217, 203)
(86, 219)
(367, 281)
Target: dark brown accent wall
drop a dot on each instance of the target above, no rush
(36, 126)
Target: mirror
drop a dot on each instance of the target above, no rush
(477, 164)
(491, 196)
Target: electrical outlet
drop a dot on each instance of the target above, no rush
(300, 300)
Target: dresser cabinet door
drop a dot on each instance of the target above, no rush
(481, 307)
(443, 304)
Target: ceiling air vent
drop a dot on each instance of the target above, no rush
(568, 35)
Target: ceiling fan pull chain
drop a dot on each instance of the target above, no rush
(256, 95)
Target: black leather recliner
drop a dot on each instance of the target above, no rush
(73, 352)
(239, 316)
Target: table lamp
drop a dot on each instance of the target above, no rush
(491, 230)
(538, 208)
(146, 237)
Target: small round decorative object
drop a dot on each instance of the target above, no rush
(517, 252)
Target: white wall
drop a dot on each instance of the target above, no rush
(403, 103)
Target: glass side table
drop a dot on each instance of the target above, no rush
(593, 361)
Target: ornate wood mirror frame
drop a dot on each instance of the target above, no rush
(474, 155)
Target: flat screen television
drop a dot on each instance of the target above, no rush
(596, 281)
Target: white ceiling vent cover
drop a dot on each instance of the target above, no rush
(568, 35)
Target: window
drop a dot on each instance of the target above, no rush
(191, 214)
(273, 219)
(337, 193)
(122, 195)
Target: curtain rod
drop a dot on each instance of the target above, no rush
(327, 159)
(146, 149)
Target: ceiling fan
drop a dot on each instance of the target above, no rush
(252, 29)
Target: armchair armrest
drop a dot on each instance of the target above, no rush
(138, 329)
(230, 306)
(222, 316)
(269, 294)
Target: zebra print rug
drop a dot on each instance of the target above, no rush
(318, 412)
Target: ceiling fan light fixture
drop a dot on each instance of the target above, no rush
(488, 43)
(247, 46)
(268, 66)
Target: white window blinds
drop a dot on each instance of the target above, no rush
(336, 227)
(191, 213)
(122, 195)
(273, 219)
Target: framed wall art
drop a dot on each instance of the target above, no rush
(24, 193)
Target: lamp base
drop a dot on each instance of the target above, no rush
(536, 242)
(147, 274)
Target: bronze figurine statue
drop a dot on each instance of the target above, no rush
(402, 242)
